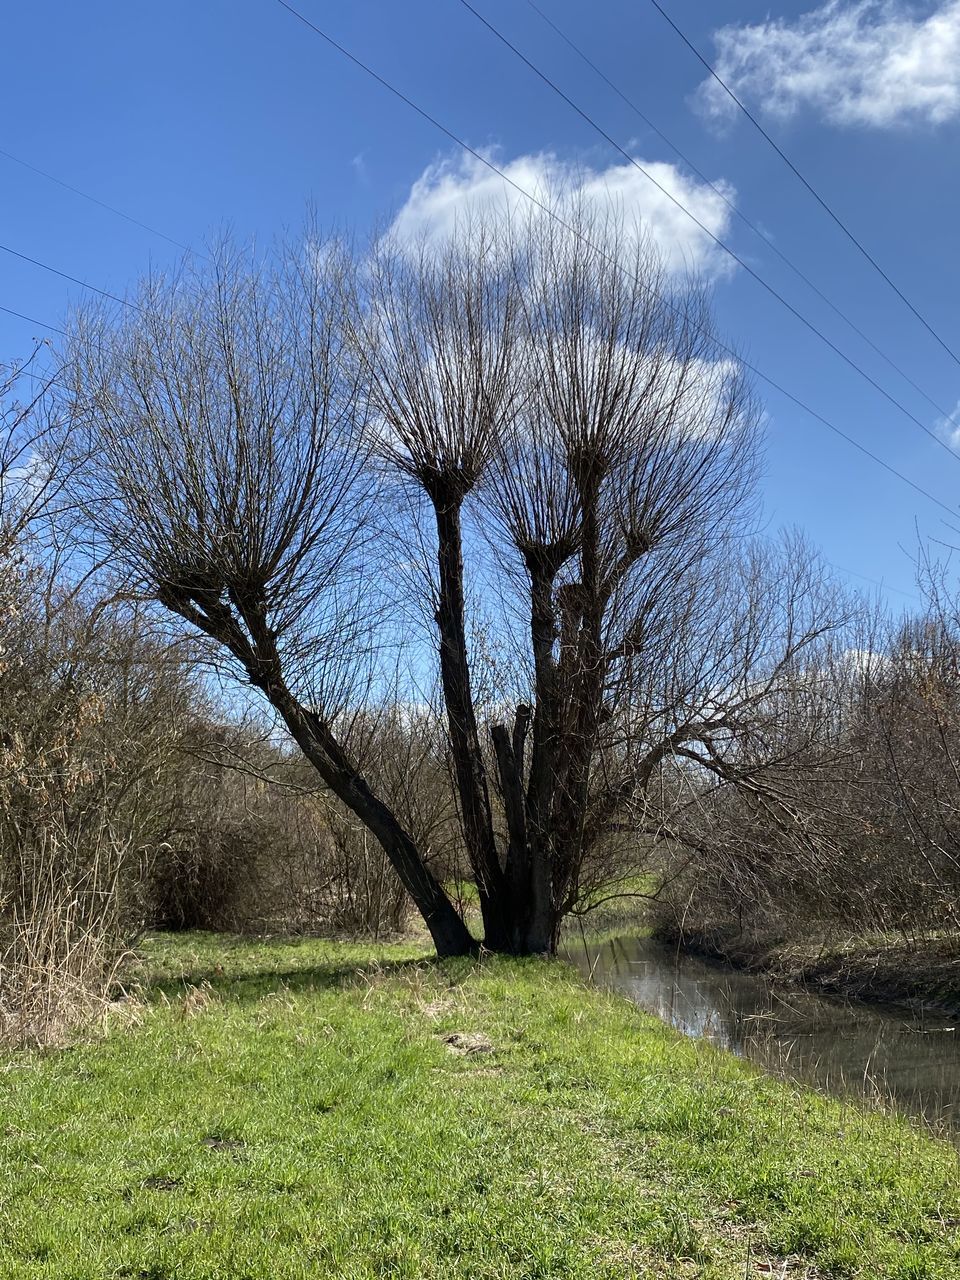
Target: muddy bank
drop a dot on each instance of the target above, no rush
(921, 974)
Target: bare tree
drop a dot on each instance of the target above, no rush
(227, 467)
(558, 408)
(32, 470)
(556, 386)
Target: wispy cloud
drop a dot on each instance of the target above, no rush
(878, 63)
(452, 189)
(359, 166)
(948, 429)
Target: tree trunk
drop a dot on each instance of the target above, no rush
(471, 778)
(527, 893)
(450, 935)
(448, 931)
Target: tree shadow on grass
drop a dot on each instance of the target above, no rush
(251, 984)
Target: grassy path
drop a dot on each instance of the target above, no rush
(310, 1109)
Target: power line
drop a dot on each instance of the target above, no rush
(552, 213)
(144, 226)
(877, 582)
(30, 320)
(35, 377)
(806, 183)
(104, 293)
(734, 208)
(741, 262)
(801, 404)
(851, 572)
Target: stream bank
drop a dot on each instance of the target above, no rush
(883, 1053)
(919, 973)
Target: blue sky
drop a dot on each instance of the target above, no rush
(192, 117)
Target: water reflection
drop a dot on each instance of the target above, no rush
(913, 1061)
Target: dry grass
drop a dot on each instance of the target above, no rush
(64, 945)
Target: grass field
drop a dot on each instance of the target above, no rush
(265, 1111)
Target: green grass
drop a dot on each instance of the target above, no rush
(615, 908)
(290, 1109)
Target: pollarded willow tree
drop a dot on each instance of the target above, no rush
(559, 408)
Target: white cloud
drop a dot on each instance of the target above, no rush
(450, 190)
(22, 485)
(358, 164)
(870, 62)
(867, 664)
(948, 429)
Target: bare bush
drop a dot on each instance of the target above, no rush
(95, 711)
(255, 848)
(95, 703)
(65, 934)
(853, 832)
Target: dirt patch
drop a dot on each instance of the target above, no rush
(467, 1042)
(758, 1260)
(160, 1182)
(215, 1143)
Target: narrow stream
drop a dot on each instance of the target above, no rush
(841, 1047)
